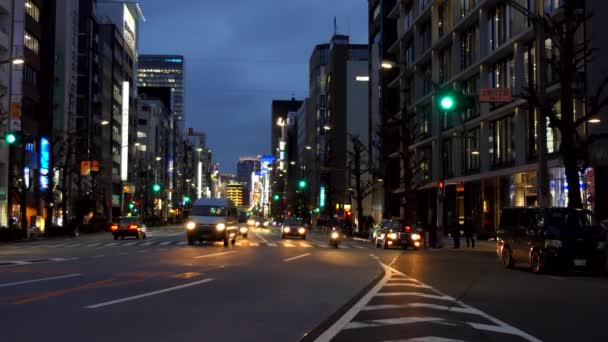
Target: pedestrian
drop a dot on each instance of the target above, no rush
(468, 232)
(456, 234)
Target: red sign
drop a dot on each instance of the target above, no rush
(460, 186)
(495, 95)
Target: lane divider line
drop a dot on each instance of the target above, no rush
(148, 294)
(296, 257)
(41, 280)
(212, 255)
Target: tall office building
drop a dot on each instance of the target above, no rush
(488, 155)
(6, 25)
(245, 169)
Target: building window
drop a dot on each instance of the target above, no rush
(30, 75)
(444, 64)
(424, 160)
(551, 5)
(441, 19)
(466, 6)
(424, 4)
(409, 54)
(502, 75)
(471, 150)
(425, 37)
(471, 86)
(500, 25)
(468, 47)
(31, 43)
(142, 134)
(427, 84)
(32, 10)
(529, 65)
(531, 136)
(502, 145)
(424, 120)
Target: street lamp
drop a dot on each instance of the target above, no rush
(327, 127)
(308, 147)
(104, 122)
(387, 65)
(14, 61)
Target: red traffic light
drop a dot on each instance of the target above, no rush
(441, 185)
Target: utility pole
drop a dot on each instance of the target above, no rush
(544, 199)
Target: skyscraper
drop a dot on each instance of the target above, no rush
(244, 170)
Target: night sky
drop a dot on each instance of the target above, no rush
(242, 54)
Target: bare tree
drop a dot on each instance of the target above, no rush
(572, 53)
(359, 168)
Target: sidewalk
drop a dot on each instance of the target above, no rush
(480, 245)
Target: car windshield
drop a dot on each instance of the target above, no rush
(208, 210)
(563, 219)
(292, 221)
(128, 220)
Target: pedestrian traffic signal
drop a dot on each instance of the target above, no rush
(156, 187)
(454, 101)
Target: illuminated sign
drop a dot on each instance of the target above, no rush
(322, 197)
(45, 163)
(124, 148)
(266, 162)
(173, 60)
(26, 175)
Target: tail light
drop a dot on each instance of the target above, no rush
(408, 229)
(133, 226)
(114, 227)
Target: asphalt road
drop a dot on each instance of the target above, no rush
(268, 289)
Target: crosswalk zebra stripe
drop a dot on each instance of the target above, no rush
(130, 244)
(94, 244)
(305, 245)
(181, 243)
(254, 244)
(271, 244)
(146, 243)
(288, 245)
(165, 243)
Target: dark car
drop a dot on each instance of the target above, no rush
(550, 239)
(129, 226)
(213, 219)
(293, 227)
(398, 234)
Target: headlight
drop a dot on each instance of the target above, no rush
(190, 225)
(301, 230)
(286, 229)
(382, 236)
(266, 223)
(220, 226)
(553, 243)
(335, 235)
(392, 236)
(251, 222)
(257, 224)
(243, 229)
(602, 245)
(416, 237)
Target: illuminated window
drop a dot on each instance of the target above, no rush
(32, 10)
(31, 43)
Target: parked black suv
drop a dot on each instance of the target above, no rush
(550, 239)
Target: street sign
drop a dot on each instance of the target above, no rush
(85, 167)
(459, 186)
(94, 165)
(495, 95)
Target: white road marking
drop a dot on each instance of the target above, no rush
(391, 321)
(182, 243)
(165, 243)
(146, 243)
(58, 259)
(110, 244)
(271, 244)
(254, 244)
(419, 305)
(296, 257)
(56, 246)
(99, 256)
(148, 294)
(357, 246)
(288, 245)
(261, 238)
(173, 234)
(212, 255)
(93, 244)
(129, 244)
(429, 339)
(238, 244)
(76, 245)
(330, 333)
(408, 284)
(40, 280)
(323, 246)
(305, 245)
(415, 294)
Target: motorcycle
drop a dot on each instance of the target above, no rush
(334, 238)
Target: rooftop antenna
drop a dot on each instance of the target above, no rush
(335, 26)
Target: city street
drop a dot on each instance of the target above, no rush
(268, 289)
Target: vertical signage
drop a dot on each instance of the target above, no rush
(322, 197)
(124, 148)
(45, 163)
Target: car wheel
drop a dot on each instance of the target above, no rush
(506, 259)
(225, 242)
(535, 263)
(115, 237)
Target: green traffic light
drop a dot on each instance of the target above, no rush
(447, 103)
(276, 197)
(156, 187)
(131, 205)
(302, 184)
(10, 138)
(186, 199)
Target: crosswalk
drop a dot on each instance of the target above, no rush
(180, 243)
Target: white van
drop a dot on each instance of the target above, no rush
(212, 219)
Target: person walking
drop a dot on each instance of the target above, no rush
(456, 234)
(468, 232)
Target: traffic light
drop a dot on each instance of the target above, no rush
(454, 101)
(276, 197)
(186, 199)
(441, 189)
(131, 205)
(156, 187)
(11, 138)
(302, 184)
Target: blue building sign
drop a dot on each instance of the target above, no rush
(45, 163)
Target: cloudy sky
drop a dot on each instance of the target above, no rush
(242, 54)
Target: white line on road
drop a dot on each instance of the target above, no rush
(111, 244)
(41, 279)
(258, 235)
(76, 245)
(146, 244)
(212, 255)
(148, 294)
(415, 294)
(271, 244)
(56, 246)
(129, 244)
(99, 256)
(288, 245)
(173, 234)
(181, 243)
(296, 257)
(305, 245)
(165, 243)
(419, 305)
(254, 244)
(408, 284)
